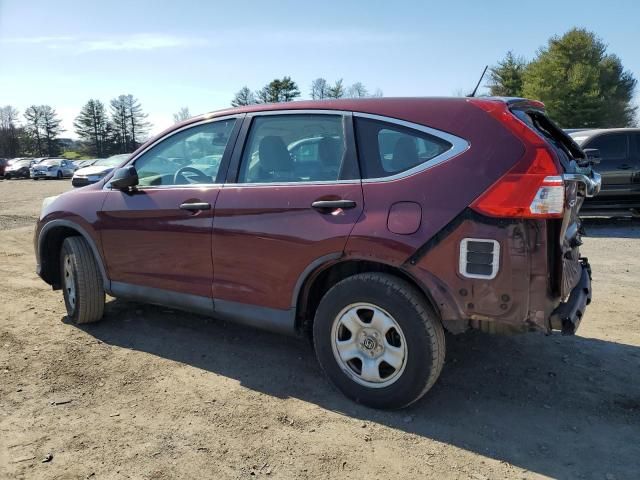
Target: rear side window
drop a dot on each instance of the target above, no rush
(386, 149)
(293, 148)
(612, 146)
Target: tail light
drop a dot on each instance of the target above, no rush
(533, 188)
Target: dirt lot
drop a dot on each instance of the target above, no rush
(154, 393)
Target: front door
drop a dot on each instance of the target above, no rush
(615, 165)
(292, 198)
(157, 238)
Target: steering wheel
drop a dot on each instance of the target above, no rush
(200, 176)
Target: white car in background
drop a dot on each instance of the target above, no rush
(53, 168)
(97, 171)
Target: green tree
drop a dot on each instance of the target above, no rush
(91, 125)
(9, 132)
(243, 97)
(506, 78)
(51, 129)
(580, 83)
(128, 123)
(337, 90)
(277, 90)
(33, 128)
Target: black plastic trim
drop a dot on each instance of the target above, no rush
(568, 315)
(74, 226)
(466, 214)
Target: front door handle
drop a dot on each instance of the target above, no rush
(333, 204)
(195, 206)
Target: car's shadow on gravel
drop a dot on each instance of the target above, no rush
(564, 407)
(621, 227)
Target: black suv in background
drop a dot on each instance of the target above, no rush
(619, 166)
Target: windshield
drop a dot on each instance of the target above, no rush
(578, 137)
(50, 162)
(21, 163)
(111, 161)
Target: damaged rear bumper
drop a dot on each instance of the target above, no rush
(567, 316)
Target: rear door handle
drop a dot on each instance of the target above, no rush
(333, 204)
(195, 206)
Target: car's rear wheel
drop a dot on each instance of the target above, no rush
(378, 340)
(81, 281)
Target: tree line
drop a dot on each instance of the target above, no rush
(285, 90)
(581, 85)
(102, 132)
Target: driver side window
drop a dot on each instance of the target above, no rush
(188, 157)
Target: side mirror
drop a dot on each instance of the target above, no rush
(593, 155)
(124, 178)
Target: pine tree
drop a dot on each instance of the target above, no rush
(507, 76)
(243, 97)
(337, 90)
(91, 125)
(580, 83)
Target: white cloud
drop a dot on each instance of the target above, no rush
(134, 42)
(140, 42)
(156, 41)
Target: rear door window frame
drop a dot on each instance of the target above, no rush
(350, 172)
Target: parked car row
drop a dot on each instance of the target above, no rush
(82, 172)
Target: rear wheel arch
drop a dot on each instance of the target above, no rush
(50, 242)
(318, 282)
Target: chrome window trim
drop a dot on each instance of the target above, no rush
(131, 160)
(458, 146)
(306, 111)
(293, 184)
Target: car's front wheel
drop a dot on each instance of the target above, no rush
(81, 281)
(378, 340)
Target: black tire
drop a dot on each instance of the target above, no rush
(7, 176)
(81, 283)
(421, 327)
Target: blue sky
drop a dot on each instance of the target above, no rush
(199, 53)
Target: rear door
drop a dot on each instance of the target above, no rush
(283, 208)
(616, 166)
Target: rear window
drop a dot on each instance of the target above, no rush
(386, 149)
(612, 146)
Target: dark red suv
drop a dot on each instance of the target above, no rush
(370, 225)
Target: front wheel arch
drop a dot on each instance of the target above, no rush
(49, 244)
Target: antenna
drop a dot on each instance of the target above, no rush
(473, 94)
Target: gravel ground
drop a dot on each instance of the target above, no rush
(154, 393)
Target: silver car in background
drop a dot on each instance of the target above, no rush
(53, 168)
(94, 173)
